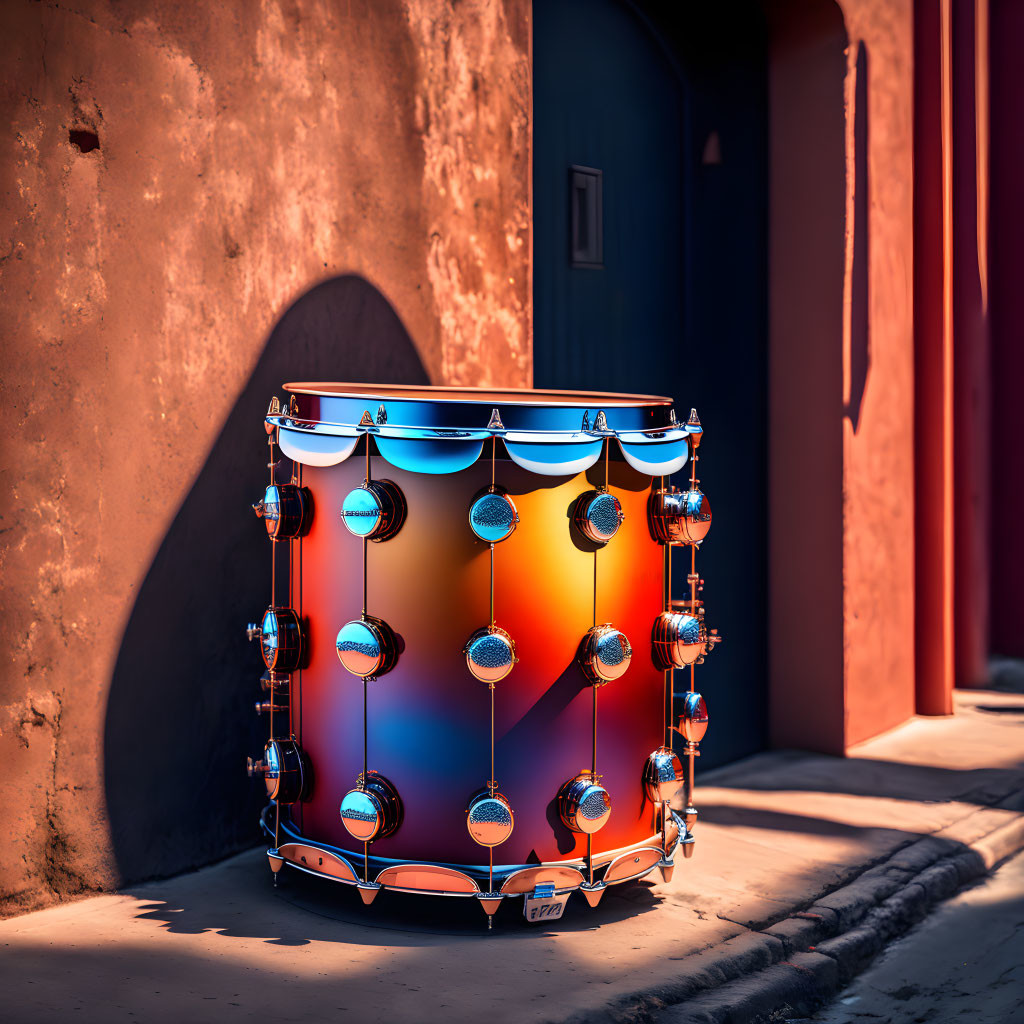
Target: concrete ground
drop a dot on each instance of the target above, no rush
(964, 963)
(792, 848)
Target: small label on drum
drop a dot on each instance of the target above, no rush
(544, 908)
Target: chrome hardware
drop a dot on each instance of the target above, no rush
(367, 647)
(375, 510)
(489, 818)
(285, 771)
(489, 903)
(605, 654)
(368, 891)
(490, 654)
(662, 775)
(694, 429)
(678, 639)
(598, 515)
(264, 707)
(373, 809)
(274, 682)
(273, 409)
(493, 516)
(679, 517)
(285, 510)
(693, 722)
(280, 637)
(713, 639)
(600, 422)
(494, 423)
(584, 805)
(592, 892)
(382, 415)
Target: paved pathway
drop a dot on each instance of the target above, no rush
(777, 833)
(963, 963)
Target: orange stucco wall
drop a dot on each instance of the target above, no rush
(841, 370)
(878, 457)
(245, 153)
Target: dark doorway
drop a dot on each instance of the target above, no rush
(650, 193)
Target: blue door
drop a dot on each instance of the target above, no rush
(649, 272)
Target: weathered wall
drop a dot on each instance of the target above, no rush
(245, 152)
(878, 370)
(841, 370)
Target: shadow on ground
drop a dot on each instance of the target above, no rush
(255, 908)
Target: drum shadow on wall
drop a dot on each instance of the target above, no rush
(180, 720)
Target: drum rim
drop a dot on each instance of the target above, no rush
(473, 395)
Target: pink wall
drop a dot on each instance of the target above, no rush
(841, 371)
(806, 267)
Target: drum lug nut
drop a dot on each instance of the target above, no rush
(255, 767)
(252, 631)
(264, 707)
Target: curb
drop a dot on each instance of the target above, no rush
(798, 963)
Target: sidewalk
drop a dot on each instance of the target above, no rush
(793, 851)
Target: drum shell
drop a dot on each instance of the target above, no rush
(428, 719)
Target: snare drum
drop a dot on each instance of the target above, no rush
(476, 681)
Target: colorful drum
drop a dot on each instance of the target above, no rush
(473, 646)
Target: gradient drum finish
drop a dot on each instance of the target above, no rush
(562, 483)
(428, 717)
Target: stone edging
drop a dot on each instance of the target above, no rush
(797, 963)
